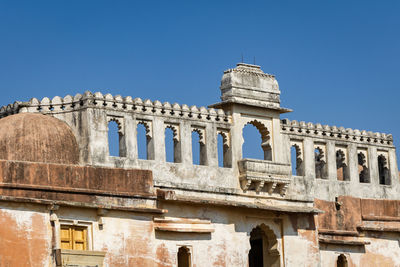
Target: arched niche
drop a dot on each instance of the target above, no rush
(263, 247)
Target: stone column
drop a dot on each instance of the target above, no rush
(331, 161)
(186, 142)
(286, 147)
(309, 160)
(211, 145)
(278, 149)
(98, 136)
(352, 162)
(394, 173)
(236, 140)
(159, 139)
(130, 137)
(373, 165)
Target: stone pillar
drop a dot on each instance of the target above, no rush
(309, 161)
(130, 137)
(286, 156)
(352, 162)
(278, 150)
(331, 161)
(373, 165)
(186, 142)
(98, 136)
(394, 173)
(237, 140)
(211, 145)
(159, 139)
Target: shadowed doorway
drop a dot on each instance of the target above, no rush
(263, 248)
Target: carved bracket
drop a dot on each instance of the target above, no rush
(264, 176)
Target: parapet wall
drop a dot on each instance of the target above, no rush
(329, 161)
(124, 104)
(347, 162)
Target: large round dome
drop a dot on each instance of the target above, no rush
(37, 138)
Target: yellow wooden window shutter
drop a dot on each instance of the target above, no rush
(79, 238)
(66, 237)
(73, 237)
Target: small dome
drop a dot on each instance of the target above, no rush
(37, 138)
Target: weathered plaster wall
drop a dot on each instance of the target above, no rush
(25, 236)
(301, 239)
(130, 239)
(383, 251)
(375, 222)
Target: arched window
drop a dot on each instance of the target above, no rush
(384, 176)
(224, 153)
(145, 141)
(113, 139)
(251, 133)
(199, 153)
(363, 172)
(172, 144)
(320, 164)
(342, 170)
(296, 160)
(263, 248)
(116, 142)
(184, 257)
(341, 261)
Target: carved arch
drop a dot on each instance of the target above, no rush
(271, 237)
(262, 129)
(119, 121)
(202, 142)
(363, 172)
(341, 261)
(299, 159)
(320, 161)
(342, 171)
(262, 235)
(175, 131)
(226, 159)
(340, 158)
(265, 137)
(202, 136)
(147, 125)
(361, 159)
(184, 257)
(149, 142)
(121, 135)
(383, 169)
(177, 157)
(225, 138)
(319, 154)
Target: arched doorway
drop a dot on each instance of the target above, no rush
(341, 261)
(263, 248)
(184, 257)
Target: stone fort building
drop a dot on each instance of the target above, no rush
(65, 201)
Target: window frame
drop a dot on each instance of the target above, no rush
(87, 226)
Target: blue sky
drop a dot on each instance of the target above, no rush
(337, 62)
